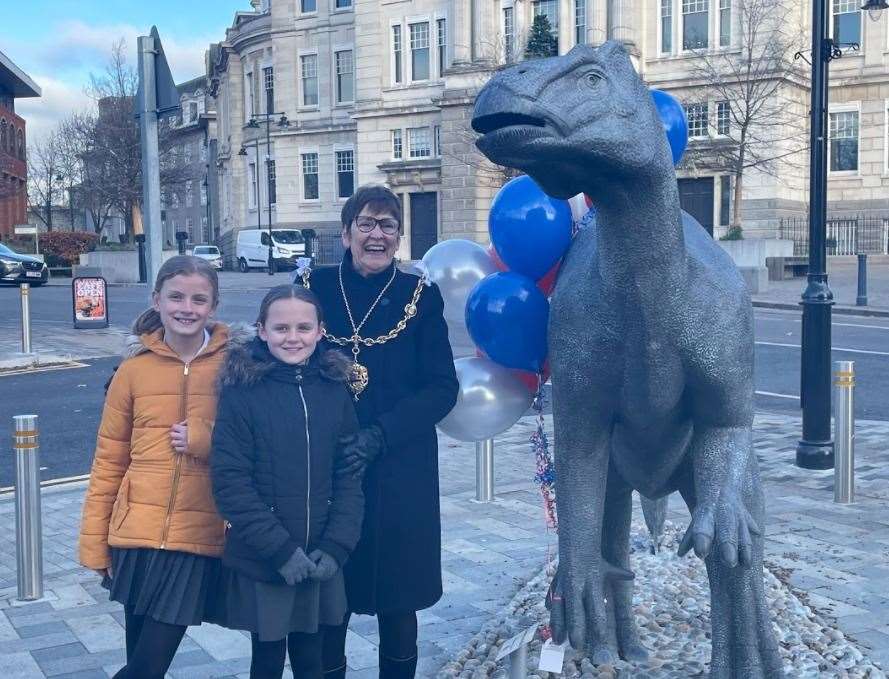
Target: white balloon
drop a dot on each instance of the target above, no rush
(457, 266)
(490, 401)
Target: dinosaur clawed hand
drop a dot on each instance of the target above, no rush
(725, 522)
(577, 607)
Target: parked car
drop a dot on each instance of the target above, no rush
(18, 268)
(210, 253)
(252, 250)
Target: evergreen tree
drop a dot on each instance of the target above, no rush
(541, 42)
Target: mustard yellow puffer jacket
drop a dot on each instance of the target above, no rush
(141, 492)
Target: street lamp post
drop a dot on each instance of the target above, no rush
(283, 122)
(815, 448)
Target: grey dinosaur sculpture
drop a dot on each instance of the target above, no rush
(651, 347)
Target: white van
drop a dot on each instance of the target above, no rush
(253, 249)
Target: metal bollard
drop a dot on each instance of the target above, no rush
(28, 532)
(861, 299)
(844, 437)
(484, 470)
(26, 317)
(518, 663)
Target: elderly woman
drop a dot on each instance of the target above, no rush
(391, 325)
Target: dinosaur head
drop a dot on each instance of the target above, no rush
(574, 122)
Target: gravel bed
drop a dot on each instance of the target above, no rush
(672, 603)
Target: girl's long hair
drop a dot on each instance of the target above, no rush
(180, 265)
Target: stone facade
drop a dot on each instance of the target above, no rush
(392, 86)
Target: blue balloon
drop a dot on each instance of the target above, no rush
(529, 230)
(507, 317)
(675, 123)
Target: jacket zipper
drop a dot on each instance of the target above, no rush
(308, 462)
(177, 467)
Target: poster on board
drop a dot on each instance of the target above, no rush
(90, 300)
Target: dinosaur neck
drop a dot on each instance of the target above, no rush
(641, 243)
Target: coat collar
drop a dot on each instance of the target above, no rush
(222, 336)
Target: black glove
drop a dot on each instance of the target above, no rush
(325, 565)
(297, 567)
(360, 449)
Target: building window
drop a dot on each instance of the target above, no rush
(251, 173)
(189, 229)
(268, 79)
(345, 173)
(4, 141)
(205, 230)
(189, 193)
(666, 26)
(844, 141)
(508, 34)
(846, 21)
(579, 22)
(549, 9)
(419, 141)
(175, 199)
(436, 140)
(203, 151)
(725, 23)
(397, 51)
(186, 152)
(397, 145)
(248, 86)
(163, 198)
(723, 118)
(310, 176)
(342, 4)
(441, 31)
(203, 194)
(192, 112)
(308, 6)
(272, 174)
(725, 200)
(695, 20)
(309, 71)
(419, 34)
(697, 120)
(345, 79)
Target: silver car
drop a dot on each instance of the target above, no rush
(210, 253)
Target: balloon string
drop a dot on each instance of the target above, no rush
(545, 475)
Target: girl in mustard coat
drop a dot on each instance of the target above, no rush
(150, 526)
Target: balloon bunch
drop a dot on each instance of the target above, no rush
(502, 293)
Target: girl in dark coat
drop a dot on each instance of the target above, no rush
(410, 386)
(293, 515)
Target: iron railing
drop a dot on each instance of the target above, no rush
(846, 235)
(326, 247)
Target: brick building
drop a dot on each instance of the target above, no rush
(14, 84)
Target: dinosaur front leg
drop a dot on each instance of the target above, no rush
(579, 590)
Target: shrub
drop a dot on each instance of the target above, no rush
(63, 248)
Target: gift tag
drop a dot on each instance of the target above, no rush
(517, 642)
(552, 657)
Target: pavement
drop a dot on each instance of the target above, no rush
(835, 556)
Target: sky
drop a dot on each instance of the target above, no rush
(60, 42)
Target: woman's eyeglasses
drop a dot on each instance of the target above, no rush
(387, 225)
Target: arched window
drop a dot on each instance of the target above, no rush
(3, 141)
(20, 137)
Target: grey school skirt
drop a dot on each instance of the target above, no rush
(272, 611)
(171, 587)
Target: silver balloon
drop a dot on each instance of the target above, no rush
(457, 265)
(491, 400)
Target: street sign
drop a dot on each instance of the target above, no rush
(167, 95)
(90, 299)
(26, 230)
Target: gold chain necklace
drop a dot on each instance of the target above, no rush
(359, 377)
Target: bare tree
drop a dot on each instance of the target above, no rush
(45, 180)
(94, 186)
(758, 127)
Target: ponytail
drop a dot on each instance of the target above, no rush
(146, 322)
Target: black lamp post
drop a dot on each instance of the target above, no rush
(815, 448)
(283, 123)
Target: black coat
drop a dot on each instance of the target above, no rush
(397, 564)
(273, 474)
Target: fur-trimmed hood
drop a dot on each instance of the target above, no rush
(248, 363)
(222, 336)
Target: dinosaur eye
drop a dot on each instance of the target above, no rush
(592, 79)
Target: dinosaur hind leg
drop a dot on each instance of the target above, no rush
(744, 645)
(616, 550)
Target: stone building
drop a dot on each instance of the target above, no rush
(14, 84)
(383, 92)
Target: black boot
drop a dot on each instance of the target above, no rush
(398, 668)
(338, 672)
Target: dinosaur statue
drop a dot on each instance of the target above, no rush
(651, 348)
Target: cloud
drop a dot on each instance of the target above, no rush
(60, 99)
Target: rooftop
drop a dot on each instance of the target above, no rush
(15, 80)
